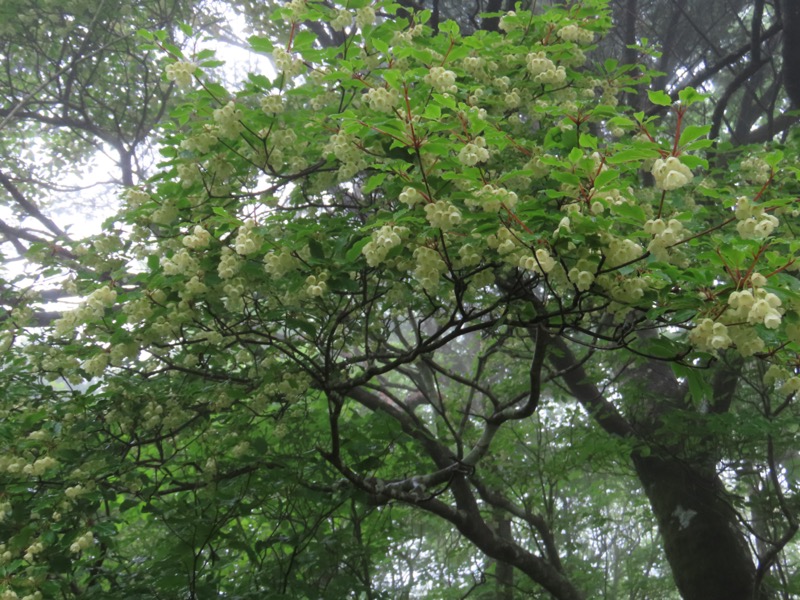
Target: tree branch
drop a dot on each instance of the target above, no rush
(585, 391)
(27, 206)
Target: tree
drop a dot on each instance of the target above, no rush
(417, 284)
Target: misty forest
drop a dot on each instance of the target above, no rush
(375, 299)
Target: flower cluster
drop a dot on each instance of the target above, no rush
(665, 234)
(671, 173)
(512, 99)
(228, 264)
(504, 241)
(790, 383)
(582, 274)
(365, 16)
(544, 70)
(342, 20)
(541, 262)
(181, 73)
(180, 263)
(233, 291)
(189, 174)
(620, 251)
(754, 222)
(710, 336)
(473, 152)
(96, 365)
(229, 120)
(538, 167)
(92, 308)
(411, 196)
(296, 10)
(441, 80)
(247, 240)
(136, 197)
(99, 300)
(442, 214)
(280, 263)
(756, 307)
(193, 288)
(201, 142)
(474, 65)
(272, 104)
(82, 543)
(430, 267)
(343, 146)
(756, 170)
(74, 491)
(315, 284)
(198, 239)
(383, 240)
(381, 99)
(745, 308)
(32, 550)
(508, 22)
(492, 199)
(623, 289)
(40, 466)
(573, 33)
(286, 62)
(469, 256)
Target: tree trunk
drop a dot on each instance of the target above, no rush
(791, 49)
(706, 550)
(504, 571)
(703, 540)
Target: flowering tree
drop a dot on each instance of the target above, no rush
(419, 278)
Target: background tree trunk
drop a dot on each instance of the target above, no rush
(703, 542)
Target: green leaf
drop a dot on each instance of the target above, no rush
(575, 155)
(261, 44)
(220, 211)
(374, 182)
(304, 40)
(693, 161)
(380, 45)
(773, 158)
(659, 98)
(302, 325)
(316, 249)
(606, 177)
(423, 16)
(632, 212)
(689, 96)
(697, 379)
(633, 154)
(432, 111)
(692, 132)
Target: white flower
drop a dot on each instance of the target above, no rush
(573, 33)
(442, 214)
(382, 100)
(473, 153)
(441, 80)
(181, 73)
(671, 174)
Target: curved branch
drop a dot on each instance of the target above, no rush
(585, 391)
(725, 62)
(733, 87)
(536, 521)
(27, 206)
